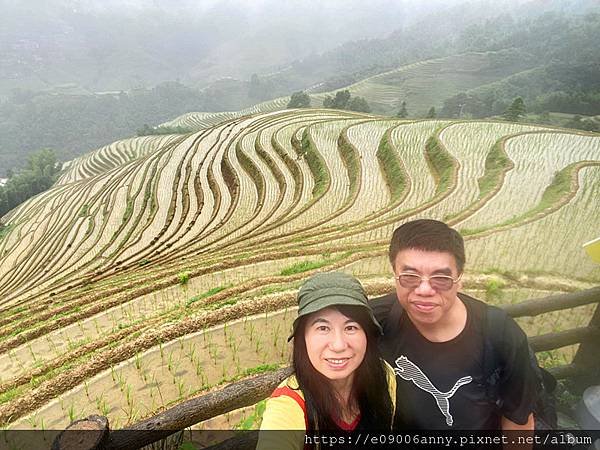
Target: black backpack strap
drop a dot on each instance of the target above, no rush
(493, 364)
(387, 311)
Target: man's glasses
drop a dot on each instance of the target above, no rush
(437, 282)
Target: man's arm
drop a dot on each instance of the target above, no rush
(515, 431)
(508, 425)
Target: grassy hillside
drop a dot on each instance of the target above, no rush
(421, 85)
(159, 267)
(428, 83)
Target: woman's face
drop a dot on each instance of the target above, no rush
(336, 344)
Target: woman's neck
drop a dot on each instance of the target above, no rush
(343, 390)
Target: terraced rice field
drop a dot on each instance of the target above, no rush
(159, 267)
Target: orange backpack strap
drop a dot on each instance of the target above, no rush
(289, 392)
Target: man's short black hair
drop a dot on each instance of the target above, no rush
(428, 235)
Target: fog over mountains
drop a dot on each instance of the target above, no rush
(120, 45)
(114, 45)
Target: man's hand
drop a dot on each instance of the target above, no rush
(524, 431)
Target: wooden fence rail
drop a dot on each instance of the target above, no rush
(247, 392)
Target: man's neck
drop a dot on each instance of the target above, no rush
(448, 327)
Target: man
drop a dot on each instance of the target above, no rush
(434, 338)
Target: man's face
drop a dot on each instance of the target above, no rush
(425, 305)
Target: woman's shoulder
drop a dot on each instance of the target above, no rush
(290, 382)
(285, 407)
(283, 412)
(391, 380)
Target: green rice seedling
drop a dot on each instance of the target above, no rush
(234, 352)
(132, 415)
(258, 346)
(121, 380)
(33, 420)
(30, 348)
(214, 353)
(181, 389)
(72, 413)
(138, 362)
(113, 375)
(170, 361)
(86, 388)
(276, 335)
(191, 352)
(493, 289)
(160, 347)
(204, 381)
(104, 408)
(52, 345)
(251, 331)
(162, 400)
(198, 367)
(96, 326)
(183, 277)
(180, 341)
(70, 343)
(128, 395)
(43, 428)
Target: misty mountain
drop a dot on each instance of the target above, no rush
(114, 45)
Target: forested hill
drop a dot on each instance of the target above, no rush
(557, 72)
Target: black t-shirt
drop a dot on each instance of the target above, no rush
(441, 385)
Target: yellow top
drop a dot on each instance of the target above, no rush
(593, 249)
(283, 412)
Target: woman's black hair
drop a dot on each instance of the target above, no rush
(370, 386)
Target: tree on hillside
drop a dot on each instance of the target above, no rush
(580, 123)
(299, 99)
(39, 175)
(431, 113)
(340, 101)
(358, 104)
(402, 113)
(515, 111)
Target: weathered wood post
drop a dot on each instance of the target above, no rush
(588, 357)
(91, 433)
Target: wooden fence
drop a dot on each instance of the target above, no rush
(585, 369)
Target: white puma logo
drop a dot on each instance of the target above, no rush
(410, 372)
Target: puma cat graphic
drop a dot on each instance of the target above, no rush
(408, 371)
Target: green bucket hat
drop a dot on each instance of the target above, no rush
(330, 289)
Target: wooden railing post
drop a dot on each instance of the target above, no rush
(84, 434)
(587, 356)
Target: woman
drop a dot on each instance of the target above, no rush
(340, 382)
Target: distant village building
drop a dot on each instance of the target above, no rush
(3, 181)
